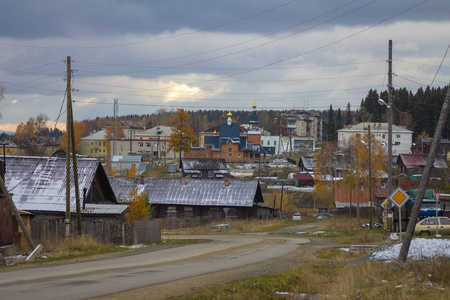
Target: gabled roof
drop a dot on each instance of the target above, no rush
(206, 192)
(412, 161)
(38, 183)
(203, 164)
(308, 162)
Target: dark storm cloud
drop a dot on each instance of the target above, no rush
(39, 19)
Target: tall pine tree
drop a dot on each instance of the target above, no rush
(331, 127)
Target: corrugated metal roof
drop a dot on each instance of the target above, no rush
(102, 209)
(205, 192)
(309, 162)
(39, 183)
(412, 161)
(204, 164)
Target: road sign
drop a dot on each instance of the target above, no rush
(385, 203)
(399, 197)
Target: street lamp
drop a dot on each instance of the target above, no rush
(370, 175)
(389, 162)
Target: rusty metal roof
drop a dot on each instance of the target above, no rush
(205, 192)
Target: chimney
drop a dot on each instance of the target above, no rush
(183, 181)
(227, 181)
(142, 179)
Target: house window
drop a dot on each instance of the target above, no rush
(397, 143)
(149, 145)
(92, 143)
(103, 144)
(274, 143)
(95, 143)
(239, 155)
(141, 144)
(210, 173)
(383, 136)
(92, 150)
(230, 152)
(103, 150)
(398, 136)
(268, 143)
(207, 154)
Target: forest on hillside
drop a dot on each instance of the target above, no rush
(418, 112)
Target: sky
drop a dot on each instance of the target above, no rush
(223, 54)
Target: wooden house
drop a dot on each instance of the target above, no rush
(187, 198)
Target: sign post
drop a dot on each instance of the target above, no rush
(436, 195)
(399, 197)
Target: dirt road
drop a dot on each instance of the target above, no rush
(161, 274)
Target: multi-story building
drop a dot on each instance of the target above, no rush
(401, 137)
(304, 124)
(151, 143)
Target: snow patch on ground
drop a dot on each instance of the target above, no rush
(420, 248)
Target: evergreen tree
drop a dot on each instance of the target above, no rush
(331, 127)
(338, 119)
(348, 115)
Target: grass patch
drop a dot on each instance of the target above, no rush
(346, 230)
(74, 248)
(367, 280)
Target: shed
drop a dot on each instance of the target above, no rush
(303, 180)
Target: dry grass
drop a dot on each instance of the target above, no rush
(237, 226)
(364, 280)
(75, 247)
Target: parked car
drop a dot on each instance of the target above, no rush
(297, 216)
(428, 226)
(323, 216)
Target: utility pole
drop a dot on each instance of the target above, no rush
(75, 172)
(425, 178)
(357, 185)
(68, 130)
(370, 178)
(389, 162)
(116, 109)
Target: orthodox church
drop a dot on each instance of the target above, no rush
(232, 143)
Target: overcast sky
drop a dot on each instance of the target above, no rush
(226, 54)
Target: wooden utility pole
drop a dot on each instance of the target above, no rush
(370, 178)
(357, 185)
(389, 162)
(425, 178)
(68, 130)
(75, 172)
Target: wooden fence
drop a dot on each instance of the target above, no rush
(102, 231)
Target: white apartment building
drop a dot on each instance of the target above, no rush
(401, 137)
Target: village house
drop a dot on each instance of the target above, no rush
(412, 165)
(194, 200)
(37, 186)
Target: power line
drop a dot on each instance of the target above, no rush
(157, 39)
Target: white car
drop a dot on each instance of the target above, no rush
(297, 216)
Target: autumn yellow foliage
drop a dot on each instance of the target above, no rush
(139, 208)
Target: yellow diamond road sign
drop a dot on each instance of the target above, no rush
(399, 197)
